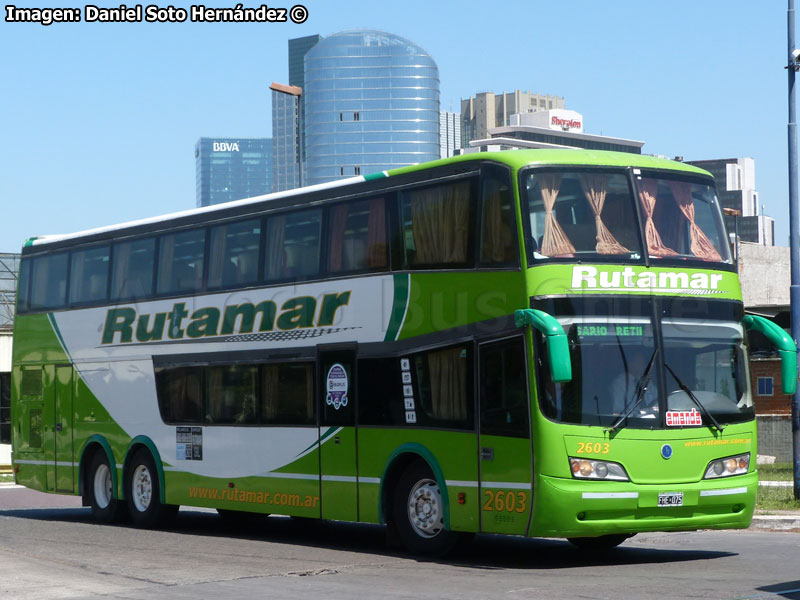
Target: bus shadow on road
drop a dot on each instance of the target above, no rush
(480, 552)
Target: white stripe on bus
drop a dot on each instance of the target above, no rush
(725, 492)
(609, 495)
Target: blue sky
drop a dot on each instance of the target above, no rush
(98, 121)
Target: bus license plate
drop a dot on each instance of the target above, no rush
(672, 499)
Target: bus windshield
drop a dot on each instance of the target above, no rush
(580, 213)
(618, 369)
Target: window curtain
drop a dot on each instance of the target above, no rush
(493, 245)
(555, 242)
(595, 188)
(270, 394)
(166, 264)
(338, 226)
(122, 268)
(701, 246)
(219, 243)
(648, 189)
(440, 223)
(376, 234)
(77, 278)
(276, 229)
(448, 379)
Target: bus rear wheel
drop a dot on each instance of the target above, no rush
(99, 490)
(143, 492)
(418, 513)
(603, 542)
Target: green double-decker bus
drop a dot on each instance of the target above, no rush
(544, 343)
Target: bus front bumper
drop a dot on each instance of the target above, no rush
(581, 508)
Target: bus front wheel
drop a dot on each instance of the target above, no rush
(143, 493)
(99, 490)
(418, 513)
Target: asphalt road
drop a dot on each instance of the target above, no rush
(51, 548)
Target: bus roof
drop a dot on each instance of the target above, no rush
(516, 159)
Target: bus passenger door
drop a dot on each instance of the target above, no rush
(504, 442)
(63, 429)
(337, 433)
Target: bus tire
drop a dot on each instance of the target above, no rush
(143, 493)
(99, 490)
(418, 513)
(603, 542)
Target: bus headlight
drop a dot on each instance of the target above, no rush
(725, 467)
(597, 469)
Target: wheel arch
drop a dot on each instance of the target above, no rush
(137, 443)
(97, 443)
(397, 463)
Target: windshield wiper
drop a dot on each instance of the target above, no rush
(641, 387)
(694, 399)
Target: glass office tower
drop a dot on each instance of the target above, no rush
(232, 168)
(371, 104)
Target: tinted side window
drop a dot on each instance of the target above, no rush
(49, 281)
(233, 257)
(180, 394)
(436, 225)
(232, 392)
(498, 224)
(288, 394)
(132, 275)
(380, 389)
(23, 289)
(357, 236)
(292, 245)
(180, 262)
(503, 391)
(88, 275)
(442, 386)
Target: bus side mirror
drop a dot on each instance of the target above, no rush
(786, 348)
(555, 340)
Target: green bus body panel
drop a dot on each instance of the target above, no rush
(439, 301)
(599, 279)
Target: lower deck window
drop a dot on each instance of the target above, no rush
(268, 394)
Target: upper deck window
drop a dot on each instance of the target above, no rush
(574, 213)
(681, 219)
(577, 213)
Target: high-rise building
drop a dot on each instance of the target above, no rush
(298, 47)
(449, 133)
(287, 137)
(736, 187)
(371, 103)
(232, 168)
(488, 110)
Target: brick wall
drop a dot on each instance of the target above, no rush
(778, 403)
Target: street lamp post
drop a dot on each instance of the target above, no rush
(793, 65)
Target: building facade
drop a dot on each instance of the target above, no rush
(487, 110)
(229, 169)
(287, 137)
(556, 128)
(736, 187)
(371, 103)
(9, 273)
(449, 133)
